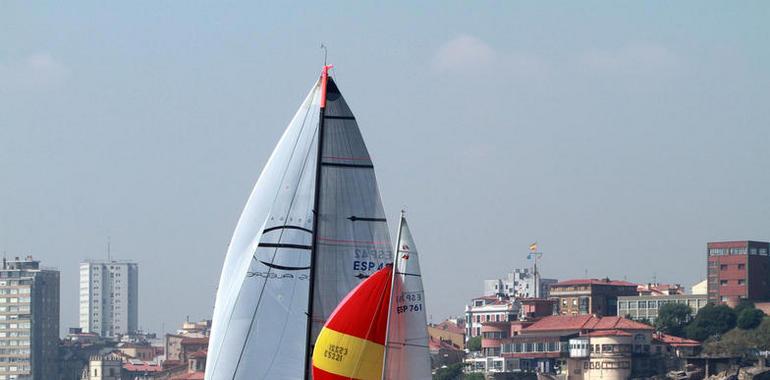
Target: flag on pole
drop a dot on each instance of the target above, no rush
(533, 247)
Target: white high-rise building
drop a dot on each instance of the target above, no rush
(520, 283)
(109, 297)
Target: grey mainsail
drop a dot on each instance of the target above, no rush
(285, 271)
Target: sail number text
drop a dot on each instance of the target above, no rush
(363, 257)
(409, 302)
(335, 352)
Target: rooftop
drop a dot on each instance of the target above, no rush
(594, 281)
(585, 322)
(676, 341)
(598, 333)
(450, 326)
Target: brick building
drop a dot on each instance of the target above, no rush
(590, 296)
(738, 270)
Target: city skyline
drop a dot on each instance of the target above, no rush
(620, 140)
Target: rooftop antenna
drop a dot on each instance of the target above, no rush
(323, 47)
(109, 244)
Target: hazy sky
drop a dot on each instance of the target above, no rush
(622, 138)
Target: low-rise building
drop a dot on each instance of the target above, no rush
(656, 289)
(444, 352)
(700, 288)
(452, 331)
(590, 296)
(103, 367)
(578, 347)
(647, 307)
(489, 309)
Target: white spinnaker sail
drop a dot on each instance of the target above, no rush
(353, 237)
(407, 354)
(260, 316)
(261, 313)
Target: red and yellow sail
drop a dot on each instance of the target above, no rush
(351, 344)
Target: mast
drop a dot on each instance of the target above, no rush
(392, 286)
(316, 213)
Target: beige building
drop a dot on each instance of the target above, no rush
(700, 288)
(29, 320)
(605, 355)
(103, 367)
(448, 331)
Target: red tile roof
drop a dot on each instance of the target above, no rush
(593, 281)
(199, 354)
(435, 344)
(451, 327)
(584, 322)
(144, 367)
(195, 341)
(189, 376)
(608, 333)
(676, 341)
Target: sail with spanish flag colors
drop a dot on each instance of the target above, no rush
(379, 331)
(407, 356)
(351, 344)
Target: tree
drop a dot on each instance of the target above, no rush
(711, 320)
(762, 334)
(474, 344)
(750, 318)
(735, 342)
(743, 305)
(672, 318)
(451, 372)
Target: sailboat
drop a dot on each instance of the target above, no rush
(379, 331)
(312, 229)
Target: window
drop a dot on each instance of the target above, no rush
(741, 282)
(722, 282)
(741, 266)
(723, 267)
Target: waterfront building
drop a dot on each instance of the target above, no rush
(109, 297)
(520, 283)
(578, 347)
(29, 320)
(647, 307)
(738, 270)
(590, 296)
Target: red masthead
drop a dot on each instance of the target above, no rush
(324, 79)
